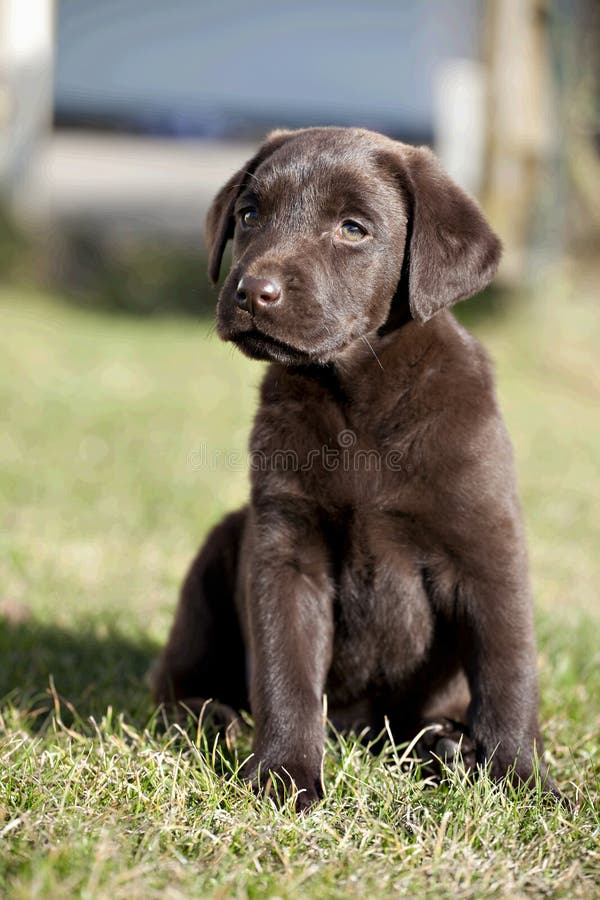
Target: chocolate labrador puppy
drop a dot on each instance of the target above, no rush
(381, 560)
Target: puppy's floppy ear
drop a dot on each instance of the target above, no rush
(220, 223)
(451, 252)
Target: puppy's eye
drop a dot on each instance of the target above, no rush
(249, 216)
(351, 231)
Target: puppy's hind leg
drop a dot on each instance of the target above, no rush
(204, 659)
(447, 738)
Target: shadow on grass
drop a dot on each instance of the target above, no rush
(89, 671)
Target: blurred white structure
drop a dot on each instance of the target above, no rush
(459, 120)
(124, 184)
(26, 90)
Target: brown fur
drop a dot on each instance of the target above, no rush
(395, 580)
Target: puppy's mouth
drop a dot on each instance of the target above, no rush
(258, 345)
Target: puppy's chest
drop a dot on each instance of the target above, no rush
(353, 465)
(341, 451)
(383, 618)
(357, 462)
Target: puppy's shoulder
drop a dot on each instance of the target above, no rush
(445, 366)
(468, 426)
(452, 394)
(466, 360)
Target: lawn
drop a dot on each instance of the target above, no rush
(113, 464)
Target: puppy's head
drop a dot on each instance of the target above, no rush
(328, 226)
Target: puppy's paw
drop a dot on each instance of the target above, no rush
(447, 742)
(521, 769)
(554, 794)
(284, 781)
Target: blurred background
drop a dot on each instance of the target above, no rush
(125, 420)
(120, 119)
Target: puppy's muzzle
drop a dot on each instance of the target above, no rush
(253, 293)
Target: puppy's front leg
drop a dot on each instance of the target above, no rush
(290, 620)
(500, 662)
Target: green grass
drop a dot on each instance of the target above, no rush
(104, 500)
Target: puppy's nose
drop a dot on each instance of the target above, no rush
(256, 292)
